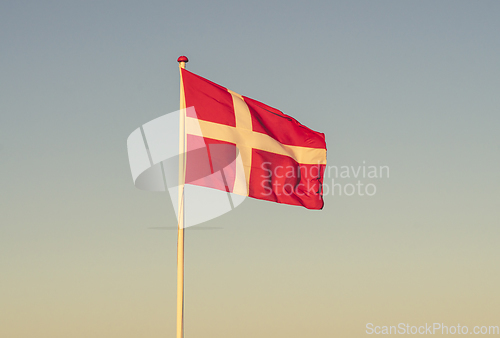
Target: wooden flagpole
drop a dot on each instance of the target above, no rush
(180, 231)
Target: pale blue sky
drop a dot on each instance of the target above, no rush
(413, 85)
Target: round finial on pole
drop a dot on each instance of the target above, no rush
(182, 61)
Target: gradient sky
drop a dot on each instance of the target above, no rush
(413, 85)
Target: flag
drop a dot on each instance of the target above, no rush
(278, 159)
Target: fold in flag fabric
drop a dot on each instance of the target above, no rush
(260, 152)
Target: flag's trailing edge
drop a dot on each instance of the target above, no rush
(279, 159)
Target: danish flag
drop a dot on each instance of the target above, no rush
(278, 159)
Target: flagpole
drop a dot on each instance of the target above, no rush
(180, 231)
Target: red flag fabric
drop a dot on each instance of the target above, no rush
(257, 150)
